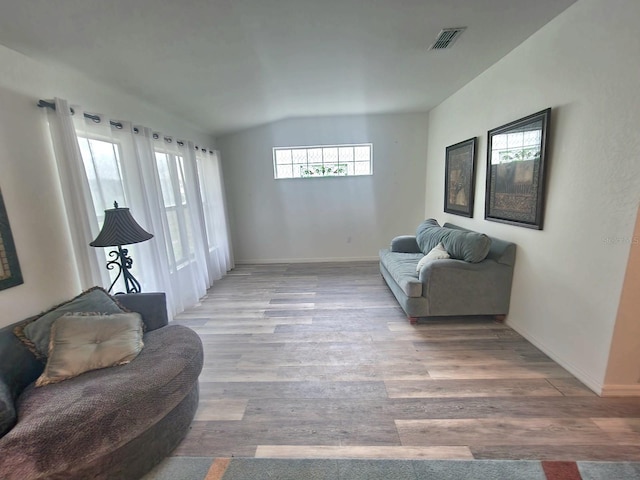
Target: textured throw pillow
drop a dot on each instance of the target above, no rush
(461, 244)
(437, 253)
(35, 334)
(80, 343)
(7, 409)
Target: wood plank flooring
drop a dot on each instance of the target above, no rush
(319, 361)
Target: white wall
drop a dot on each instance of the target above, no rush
(28, 175)
(345, 218)
(568, 276)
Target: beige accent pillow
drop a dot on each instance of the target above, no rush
(437, 253)
(80, 343)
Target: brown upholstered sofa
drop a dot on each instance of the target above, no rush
(112, 423)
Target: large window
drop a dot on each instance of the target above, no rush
(172, 184)
(102, 162)
(323, 161)
(173, 188)
(103, 166)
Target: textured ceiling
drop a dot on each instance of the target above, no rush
(231, 64)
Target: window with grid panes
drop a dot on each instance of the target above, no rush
(323, 161)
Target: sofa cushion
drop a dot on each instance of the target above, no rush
(437, 253)
(18, 368)
(36, 332)
(460, 244)
(80, 343)
(74, 422)
(402, 267)
(7, 410)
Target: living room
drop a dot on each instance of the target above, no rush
(567, 302)
(575, 280)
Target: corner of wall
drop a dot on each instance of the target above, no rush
(623, 367)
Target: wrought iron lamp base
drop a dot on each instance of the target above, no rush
(123, 262)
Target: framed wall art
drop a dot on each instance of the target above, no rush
(460, 169)
(10, 274)
(516, 158)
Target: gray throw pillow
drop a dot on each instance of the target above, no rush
(36, 333)
(7, 409)
(471, 247)
(427, 235)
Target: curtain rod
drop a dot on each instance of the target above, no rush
(118, 125)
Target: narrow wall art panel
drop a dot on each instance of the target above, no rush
(459, 181)
(10, 274)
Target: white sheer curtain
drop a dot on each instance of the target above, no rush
(220, 255)
(160, 179)
(83, 225)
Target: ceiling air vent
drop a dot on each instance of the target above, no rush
(447, 37)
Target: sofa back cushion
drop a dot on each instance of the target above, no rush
(464, 245)
(7, 409)
(18, 368)
(501, 251)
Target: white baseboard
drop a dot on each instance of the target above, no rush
(620, 391)
(590, 382)
(266, 261)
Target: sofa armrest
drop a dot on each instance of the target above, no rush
(473, 288)
(405, 244)
(151, 306)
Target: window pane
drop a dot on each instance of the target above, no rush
(315, 155)
(300, 171)
(102, 165)
(350, 169)
(299, 156)
(283, 157)
(87, 159)
(339, 168)
(183, 195)
(285, 171)
(174, 232)
(330, 155)
(189, 243)
(162, 159)
(346, 154)
(362, 153)
(362, 168)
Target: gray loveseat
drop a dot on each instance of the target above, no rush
(476, 280)
(113, 423)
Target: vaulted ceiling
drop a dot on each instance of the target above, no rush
(231, 64)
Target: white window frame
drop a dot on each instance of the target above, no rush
(175, 164)
(319, 166)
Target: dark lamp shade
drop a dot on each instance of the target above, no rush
(120, 228)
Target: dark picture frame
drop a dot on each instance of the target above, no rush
(516, 171)
(459, 177)
(10, 274)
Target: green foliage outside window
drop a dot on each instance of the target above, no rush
(323, 170)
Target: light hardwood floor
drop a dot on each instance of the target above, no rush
(318, 360)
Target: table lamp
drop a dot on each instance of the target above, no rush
(120, 229)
